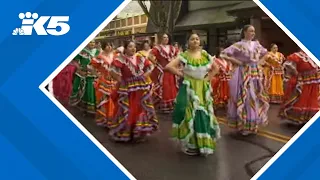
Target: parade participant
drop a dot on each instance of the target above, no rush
(220, 82)
(98, 46)
(273, 74)
(83, 95)
(166, 84)
(62, 83)
(248, 104)
(145, 50)
(135, 118)
(302, 93)
(104, 85)
(194, 122)
(177, 46)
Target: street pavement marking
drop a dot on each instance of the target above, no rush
(287, 138)
(267, 134)
(272, 137)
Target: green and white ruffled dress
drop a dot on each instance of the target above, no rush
(194, 122)
(83, 94)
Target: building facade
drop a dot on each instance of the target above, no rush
(132, 27)
(130, 24)
(220, 22)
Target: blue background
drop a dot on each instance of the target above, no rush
(301, 160)
(37, 141)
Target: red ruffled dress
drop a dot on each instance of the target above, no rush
(135, 115)
(166, 84)
(104, 86)
(62, 83)
(301, 100)
(219, 83)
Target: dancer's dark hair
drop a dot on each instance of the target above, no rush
(189, 36)
(104, 44)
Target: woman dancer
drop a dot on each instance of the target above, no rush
(194, 122)
(145, 50)
(302, 93)
(248, 104)
(273, 75)
(136, 117)
(62, 83)
(83, 94)
(104, 85)
(219, 83)
(166, 84)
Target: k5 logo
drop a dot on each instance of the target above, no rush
(32, 22)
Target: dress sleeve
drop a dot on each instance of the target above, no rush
(148, 66)
(263, 51)
(95, 62)
(231, 51)
(116, 67)
(291, 62)
(77, 58)
(294, 58)
(154, 52)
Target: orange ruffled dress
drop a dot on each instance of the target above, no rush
(104, 86)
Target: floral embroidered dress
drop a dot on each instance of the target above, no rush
(166, 84)
(248, 104)
(104, 86)
(194, 122)
(83, 94)
(135, 115)
(273, 76)
(301, 101)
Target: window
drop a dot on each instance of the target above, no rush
(136, 20)
(107, 27)
(123, 23)
(143, 19)
(118, 23)
(113, 24)
(103, 34)
(130, 21)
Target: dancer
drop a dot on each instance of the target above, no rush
(220, 82)
(273, 75)
(302, 93)
(62, 83)
(145, 50)
(194, 122)
(104, 85)
(83, 94)
(136, 117)
(248, 104)
(166, 84)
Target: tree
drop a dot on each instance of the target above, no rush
(162, 13)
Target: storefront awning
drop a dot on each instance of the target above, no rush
(246, 9)
(243, 6)
(205, 17)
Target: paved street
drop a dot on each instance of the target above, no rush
(159, 159)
